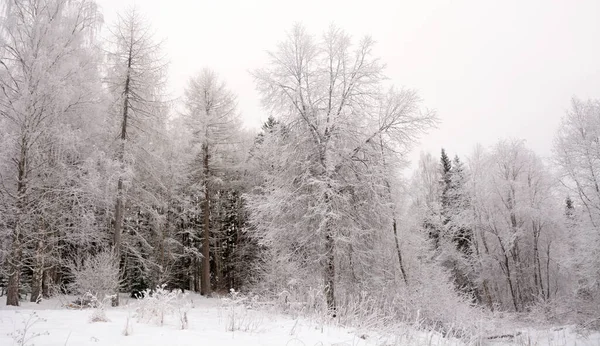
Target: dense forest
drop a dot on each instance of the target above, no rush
(105, 178)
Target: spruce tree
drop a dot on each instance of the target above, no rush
(435, 229)
(462, 235)
(445, 182)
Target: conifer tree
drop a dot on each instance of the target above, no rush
(135, 80)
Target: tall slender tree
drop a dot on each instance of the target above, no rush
(211, 112)
(136, 80)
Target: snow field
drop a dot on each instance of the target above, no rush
(225, 322)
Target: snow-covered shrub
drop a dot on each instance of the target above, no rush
(99, 315)
(154, 305)
(240, 316)
(97, 275)
(87, 300)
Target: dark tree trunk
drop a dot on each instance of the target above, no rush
(548, 272)
(14, 278)
(395, 227)
(47, 281)
(120, 191)
(329, 265)
(330, 273)
(205, 288)
(16, 255)
(196, 275)
(511, 286)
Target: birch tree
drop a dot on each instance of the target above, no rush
(328, 94)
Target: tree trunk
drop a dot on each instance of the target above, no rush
(487, 294)
(329, 265)
(394, 223)
(47, 281)
(16, 256)
(537, 267)
(120, 191)
(395, 227)
(38, 272)
(196, 275)
(507, 272)
(218, 267)
(117, 235)
(14, 278)
(205, 288)
(330, 272)
(548, 272)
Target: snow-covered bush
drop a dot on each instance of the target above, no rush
(99, 315)
(97, 276)
(154, 305)
(240, 315)
(88, 300)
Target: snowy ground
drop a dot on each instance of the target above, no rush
(210, 323)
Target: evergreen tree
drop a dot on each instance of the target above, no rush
(459, 207)
(446, 184)
(436, 229)
(458, 229)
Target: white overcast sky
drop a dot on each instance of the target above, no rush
(491, 69)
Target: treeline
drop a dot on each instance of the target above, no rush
(95, 159)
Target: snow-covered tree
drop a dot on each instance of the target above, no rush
(519, 223)
(454, 238)
(47, 72)
(577, 156)
(135, 79)
(212, 116)
(326, 205)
